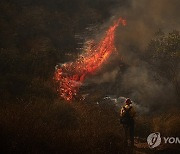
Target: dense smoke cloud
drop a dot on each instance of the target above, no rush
(103, 77)
(144, 18)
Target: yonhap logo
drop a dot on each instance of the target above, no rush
(154, 140)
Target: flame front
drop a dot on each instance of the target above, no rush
(70, 76)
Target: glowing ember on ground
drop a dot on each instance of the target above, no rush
(70, 76)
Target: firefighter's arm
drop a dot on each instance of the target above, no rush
(121, 112)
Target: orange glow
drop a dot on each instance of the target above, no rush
(70, 76)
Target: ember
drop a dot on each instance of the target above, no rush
(70, 76)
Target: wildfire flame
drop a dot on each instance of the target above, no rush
(70, 76)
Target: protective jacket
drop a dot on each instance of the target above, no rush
(127, 114)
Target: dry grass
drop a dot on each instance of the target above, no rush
(43, 127)
(167, 123)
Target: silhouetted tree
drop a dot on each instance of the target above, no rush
(164, 52)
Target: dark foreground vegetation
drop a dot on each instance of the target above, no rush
(41, 126)
(34, 37)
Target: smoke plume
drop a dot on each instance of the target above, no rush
(144, 18)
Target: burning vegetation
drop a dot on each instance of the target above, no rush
(70, 76)
(37, 35)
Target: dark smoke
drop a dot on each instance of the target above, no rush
(144, 18)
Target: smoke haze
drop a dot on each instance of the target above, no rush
(144, 18)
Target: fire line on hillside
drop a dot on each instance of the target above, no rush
(70, 76)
